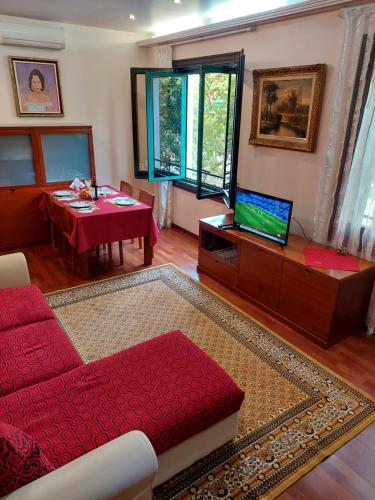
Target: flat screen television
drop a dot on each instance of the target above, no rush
(262, 214)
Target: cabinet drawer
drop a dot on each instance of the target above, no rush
(260, 274)
(221, 268)
(308, 298)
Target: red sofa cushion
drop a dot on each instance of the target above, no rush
(22, 305)
(166, 387)
(21, 460)
(32, 353)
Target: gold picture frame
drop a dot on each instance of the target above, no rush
(286, 106)
(36, 86)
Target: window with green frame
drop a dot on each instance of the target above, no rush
(186, 123)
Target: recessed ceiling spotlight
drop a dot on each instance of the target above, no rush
(132, 17)
(177, 1)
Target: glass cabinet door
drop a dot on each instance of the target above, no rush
(66, 156)
(16, 160)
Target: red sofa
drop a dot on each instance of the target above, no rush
(166, 387)
(33, 347)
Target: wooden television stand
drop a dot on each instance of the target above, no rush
(323, 304)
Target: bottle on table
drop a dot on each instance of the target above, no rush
(95, 186)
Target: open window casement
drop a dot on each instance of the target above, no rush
(166, 104)
(186, 125)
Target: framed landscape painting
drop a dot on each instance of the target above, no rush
(286, 106)
(36, 86)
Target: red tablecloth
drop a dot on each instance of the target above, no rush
(110, 223)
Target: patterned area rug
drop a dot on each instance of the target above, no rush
(295, 412)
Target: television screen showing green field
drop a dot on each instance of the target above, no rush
(263, 215)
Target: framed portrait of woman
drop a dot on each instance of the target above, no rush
(36, 86)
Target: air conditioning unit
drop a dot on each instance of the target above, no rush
(32, 36)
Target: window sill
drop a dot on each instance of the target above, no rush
(186, 186)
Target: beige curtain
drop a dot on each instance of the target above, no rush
(162, 58)
(356, 222)
(359, 21)
(346, 183)
(371, 315)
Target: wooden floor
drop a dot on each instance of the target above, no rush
(347, 474)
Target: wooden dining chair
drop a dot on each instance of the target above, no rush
(65, 226)
(148, 199)
(127, 188)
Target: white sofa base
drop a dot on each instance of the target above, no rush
(125, 468)
(198, 446)
(13, 270)
(120, 469)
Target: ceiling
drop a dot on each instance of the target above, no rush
(157, 17)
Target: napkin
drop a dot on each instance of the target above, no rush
(77, 184)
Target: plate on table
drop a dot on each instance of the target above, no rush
(123, 202)
(62, 194)
(105, 191)
(80, 204)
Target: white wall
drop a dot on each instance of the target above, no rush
(95, 82)
(187, 210)
(285, 173)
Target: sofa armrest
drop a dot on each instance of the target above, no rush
(121, 469)
(13, 270)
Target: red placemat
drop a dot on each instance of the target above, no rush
(329, 259)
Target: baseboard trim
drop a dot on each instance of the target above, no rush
(176, 226)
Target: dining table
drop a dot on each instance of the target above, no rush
(113, 217)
